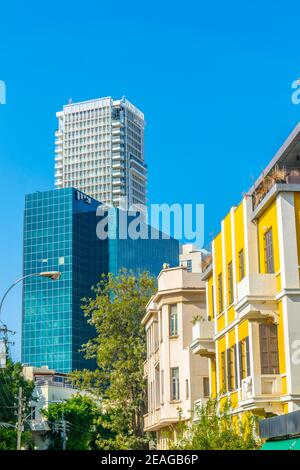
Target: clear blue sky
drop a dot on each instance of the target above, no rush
(213, 78)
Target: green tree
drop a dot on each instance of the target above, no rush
(119, 347)
(216, 428)
(83, 417)
(11, 378)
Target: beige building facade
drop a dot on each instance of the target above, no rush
(177, 379)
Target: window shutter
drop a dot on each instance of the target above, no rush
(274, 349)
(223, 364)
(247, 356)
(241, 360)
(236, 383)
(269, 358)
(264, 356)
(229, 369)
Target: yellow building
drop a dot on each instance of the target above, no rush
(253, 293)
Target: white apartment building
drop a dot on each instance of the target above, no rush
(100, 150)
(177, 379)
(192, 258)
(50, 387)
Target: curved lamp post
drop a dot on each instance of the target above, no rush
(53, 275)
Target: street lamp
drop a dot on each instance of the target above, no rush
(53, 275)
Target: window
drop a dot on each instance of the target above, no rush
(223, 372)
(220, 292)
(155, 334)
(230, 369)
(236, 377)
(162, 386)
(173, 320)
(268, 349)
(148, 342)
(244, 358)
(160, 326)
(241, 265)
(189, 266)
(230, 283)
(175, 383)
(212, 302)
(157, 386)
(187, 393)
(205, 387)
(268, 248)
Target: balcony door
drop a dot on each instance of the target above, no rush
(268, 338)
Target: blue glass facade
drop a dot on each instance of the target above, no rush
(60, 235)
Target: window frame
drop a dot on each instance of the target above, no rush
(220, 293)
(269, 251)
(175, 384)
(241, 258)
(173, 321)
(230, 282)
(269, 350)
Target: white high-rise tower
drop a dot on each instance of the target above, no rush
(100, 150)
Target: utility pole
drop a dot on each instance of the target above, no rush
(64, 433)
(63, 427)
(4, 342)
(20, 418)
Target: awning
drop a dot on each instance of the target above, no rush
(285, 444)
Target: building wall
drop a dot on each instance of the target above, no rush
(100, 150)
(176, 287)
(261, 297)
(60, 235)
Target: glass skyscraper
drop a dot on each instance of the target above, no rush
(60, 235)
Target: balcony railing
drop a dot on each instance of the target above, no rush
(256, 296)
(151, 419)
(263, 385)
(203, 343)
(198, 404)
(278, 175)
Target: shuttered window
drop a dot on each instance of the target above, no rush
(236, 378)
(241, 265)
(212, 302)
(230, 369)
(268, 349)
(205, 387)
(247, 356)
(268, 247)
(223, 372)
(230, 283)
(244, 359)
(220, 293)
